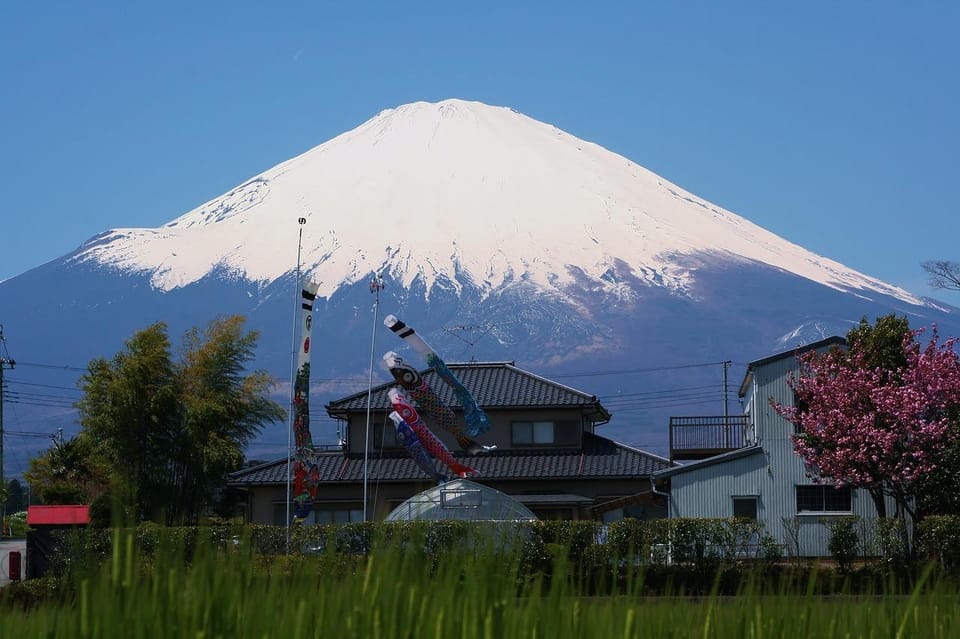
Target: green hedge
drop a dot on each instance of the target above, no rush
(582, 544)
(628, 556)
(698, 542)
(32, 592)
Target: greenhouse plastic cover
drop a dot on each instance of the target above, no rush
(461, 499)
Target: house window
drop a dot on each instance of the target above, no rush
(320, 515)
(532, 433)
(385, 436)
(824, 499)
(802, 407)
(335, 516)
(745, 507)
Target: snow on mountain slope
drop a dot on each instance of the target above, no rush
(463, 191)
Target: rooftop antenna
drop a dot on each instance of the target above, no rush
(479, 330)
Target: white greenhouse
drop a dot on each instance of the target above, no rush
(464, 500)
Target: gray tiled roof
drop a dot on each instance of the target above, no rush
(599, 458)
(492, 384)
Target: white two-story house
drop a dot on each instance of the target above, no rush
(745, 465)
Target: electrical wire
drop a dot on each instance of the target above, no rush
(362, 382)
(14, 380)
(54, 366)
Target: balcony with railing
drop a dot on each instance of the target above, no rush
(701, 437)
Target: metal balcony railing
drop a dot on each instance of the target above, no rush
(701, 437)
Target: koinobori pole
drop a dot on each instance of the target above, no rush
(293, 370)
(376, 285)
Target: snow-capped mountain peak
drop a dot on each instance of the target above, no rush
(469, 193)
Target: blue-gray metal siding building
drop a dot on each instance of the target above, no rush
(766, 477)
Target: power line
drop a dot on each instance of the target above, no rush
(361, 381)
(669, 404)
(665, 391)
(19, 433)
(13, 380)
(45, 404)
(666, 403)
(653, 396)
(17, 393)
(55, 366)
(628, 371)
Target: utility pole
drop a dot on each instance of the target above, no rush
(4, 362)
(726, 367)
(726, 415)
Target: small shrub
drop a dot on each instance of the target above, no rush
(62, 492)
(738, 538)
(694, 540)
(770, 550)
(269, 540)
(33, 592)
(889, 537)
(353, 539)
(939, 540)
(791, 529)
(843, 540)
(18, 524)
(101, 511)
(639, 541)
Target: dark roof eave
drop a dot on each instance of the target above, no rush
(599, 458)
(746, 451)
(833, 340)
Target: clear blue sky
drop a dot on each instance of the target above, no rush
(832, 124)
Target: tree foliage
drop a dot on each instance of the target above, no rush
(15, 499)
(170, 431)
(938, 491)
(223, 408)
(880, 344)
(131, 407)
(877, 416)
(71, 471)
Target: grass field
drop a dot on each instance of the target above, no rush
(467, 594)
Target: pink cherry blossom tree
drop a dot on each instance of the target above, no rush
(875, 426)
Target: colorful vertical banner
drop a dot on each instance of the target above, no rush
(306, 474)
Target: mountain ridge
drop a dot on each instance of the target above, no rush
(475, 216)
(388, 197)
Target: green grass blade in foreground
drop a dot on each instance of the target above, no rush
(411, 590)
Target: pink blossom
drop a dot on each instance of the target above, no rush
(871, 427)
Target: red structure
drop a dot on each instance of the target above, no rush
(41, 522)
(58, 515)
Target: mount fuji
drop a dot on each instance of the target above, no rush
(498, 237)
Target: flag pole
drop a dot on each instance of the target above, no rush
(293, 371)
(376, 285)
